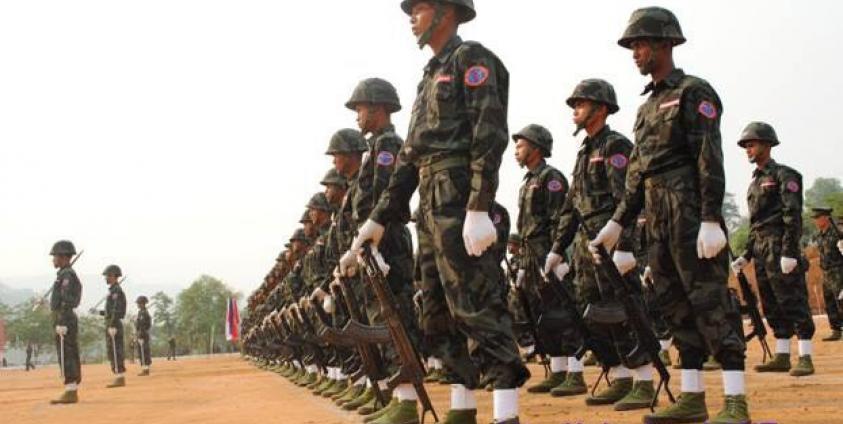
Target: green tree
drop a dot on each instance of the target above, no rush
(200, 313)
(25, 324)
(731, 213)
(162, 321)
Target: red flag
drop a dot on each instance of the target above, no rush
(232, 321)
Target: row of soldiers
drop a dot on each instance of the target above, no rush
(65, 296)
(639, 224)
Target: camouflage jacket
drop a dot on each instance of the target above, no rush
(677, 127)
(775, 206)
(539, 201)
(375, 172)
(67, 293)
(460, 111)
(598, 187)
(830, 256)
(500, 217)
(314, 264)
(115, 306)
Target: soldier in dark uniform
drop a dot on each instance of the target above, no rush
(676, 177)
(29, 364)
(831, 262)
(457, 136)
(143, 323)
(171, 351)
(775, 208)
(115, 311)
(65, 297)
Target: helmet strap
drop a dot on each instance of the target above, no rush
(437, 19)
(591, 111)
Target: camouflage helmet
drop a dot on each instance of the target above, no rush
(113, 270)
(538, 135)
(819, 211)
(596, 90)
(347, 141)
(652, 22)
(319, 202)
(63, 248)
(515, 238)
(760, 131)
(333, 177)
(375, 91)
(465, 7)
(298, 235)
(142, 300)
(305, 217)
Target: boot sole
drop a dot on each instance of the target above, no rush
(672, 420)
(620, 407)
(566, 394)
(599, 401)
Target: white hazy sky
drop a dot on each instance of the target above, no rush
(182, 137)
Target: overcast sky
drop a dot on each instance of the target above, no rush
(180, 137)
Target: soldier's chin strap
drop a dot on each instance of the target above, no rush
(591, 111)
(437, 19)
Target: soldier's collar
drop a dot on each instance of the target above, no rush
(389, 128)
(536, 171)
(446, 52)
(672, 80)
(764, 169)
(599, 136)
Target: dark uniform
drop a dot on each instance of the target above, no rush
(66, 295)
(831, 262)
(171, 351)
(115, 311)
(143, 323)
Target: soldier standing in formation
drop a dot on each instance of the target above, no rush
(143, 323)
(171, 351)
(65, 297)
(115, 311)
(831, 262)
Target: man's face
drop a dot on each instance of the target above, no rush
(582, 108)
(318, 216)
(308, 227)
(644, 56)
(513, 248)
(367, 116)
(822, 222)
(523, 151)
(755, 149)
(111, 279)
(421, 17)
(334, 193)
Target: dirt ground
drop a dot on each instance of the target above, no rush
(226, 389)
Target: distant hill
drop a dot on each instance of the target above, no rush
(12, 296)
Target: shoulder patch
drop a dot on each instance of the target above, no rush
(114, 296)
(707, 109)
(554, 186)
(619, 161)
(65, 282)
(792, 186)
(386, 158)
(476, 76)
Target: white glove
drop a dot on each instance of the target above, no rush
(553, 259)
(417, 298)
(561, 271)
(519, 278)
(61, 330)
(348, 263)
(788, 264)
(370, 230)
(319, 294)
(328, 303)
(384, 267)
(840, 296)
(112, 331)
(648, 273)
(608, 237)
(140, 341)
(625, 261)
(710, 240)
(840, 246)
(739, 264)
(478, 232)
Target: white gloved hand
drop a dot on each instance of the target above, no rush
(625, 261)
(318, 294)
(561, 271)
(520, 277)
(303, 302)
(370, 230)
(61, 330)
(788, 264)
(840, 246)
(608, 237)
(553, 259)
(384, 267)
(112, 331)
(739, 264)
(478, 232)
(328, 303)
(348, 263)
(710, 240)
(140, 341)
(417, 298)
(840, 296)
(648, 273)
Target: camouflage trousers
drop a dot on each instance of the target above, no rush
(660, 326)
(144, 352)
(465, 320)
(783, 296)
(692, 293)
(612, 345)
(116, 354)
(832, 285)
(70, 353)
(519, 315)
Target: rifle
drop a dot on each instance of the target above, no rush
(532, 320)
(750, 308)
(411, 370)
(40, 302)
(636, 316)
(316, 356)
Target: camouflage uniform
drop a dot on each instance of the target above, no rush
(66, 295)
(115, 311)
(457, 136)
(831, 262)
(143, 323)
(640, 248)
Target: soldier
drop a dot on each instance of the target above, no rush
(676, 174)
(65, 297)
(523, 336)
(171, 351)
(29, 364)
(143, 323)
(831, 262)
(115, 311)
(457, 135)
(539, 201)
(775, 207)
(660, 326)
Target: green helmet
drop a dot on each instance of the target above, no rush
(63, 248)
(821, 211)
(333, 177)
(760, 131)
(347, 141)
(375, 91)
(299, 236)
(515, 238)
(305, 217)
(652, 22)
(142, 300)
(538, 135)
(466, 7)
(596, 90)
(319, 202)
(113, 270)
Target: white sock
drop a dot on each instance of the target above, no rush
(620, 371)
(558, 364)
(406, 392)
(368, 384)
(644, 373)
(146, 367)
(734, 383)
(806, 348)
(691, 381)
(505, 403)
(72, 387)
(575, 365)
(462, 398)
(361, 382)
(341, 375)
(783, 346)
(665, 344)
(530, 349)
(429, 362)
(437, 364)
(119, 375)
(383, 385)
(311, 369)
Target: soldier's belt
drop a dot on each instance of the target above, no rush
(605, 313)
(669, 175)
(433, 165)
